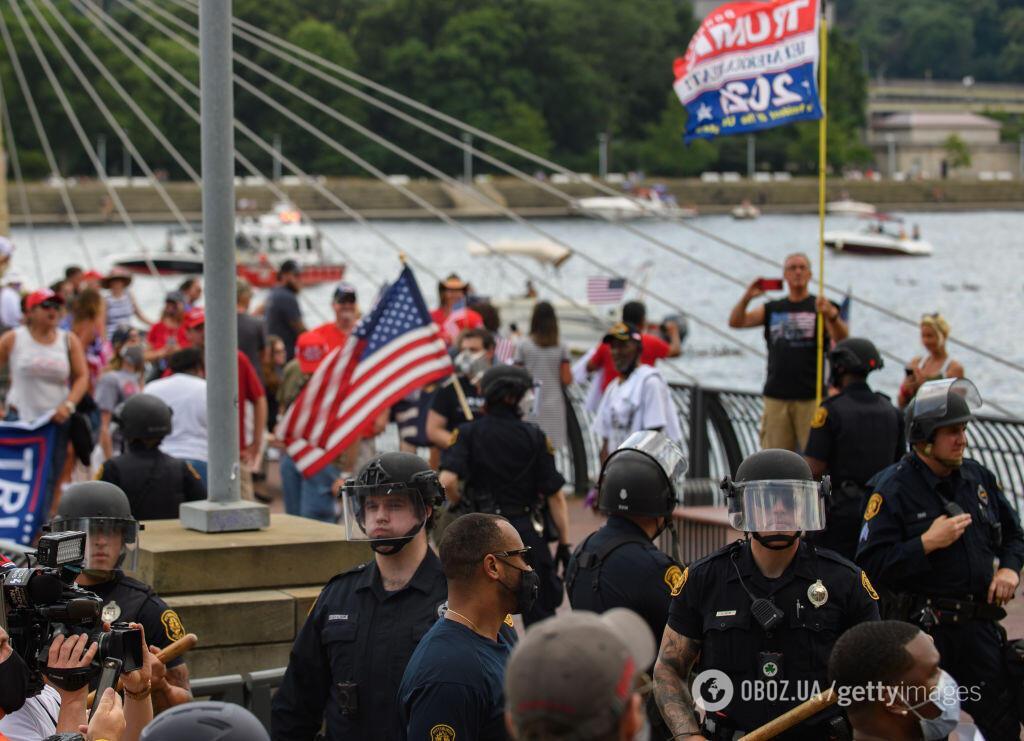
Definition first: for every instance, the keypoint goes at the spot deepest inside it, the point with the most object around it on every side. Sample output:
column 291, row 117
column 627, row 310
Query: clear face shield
column 387, row 516
column 933, row 398
column 777, row 506
column 110, row 543
column 666, row 453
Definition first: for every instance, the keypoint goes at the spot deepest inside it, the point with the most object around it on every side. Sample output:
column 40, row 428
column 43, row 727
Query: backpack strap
column 595, row 559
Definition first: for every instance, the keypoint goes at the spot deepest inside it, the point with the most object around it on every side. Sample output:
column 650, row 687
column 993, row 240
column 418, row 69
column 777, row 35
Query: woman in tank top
column 48, row 372
column 933, row 366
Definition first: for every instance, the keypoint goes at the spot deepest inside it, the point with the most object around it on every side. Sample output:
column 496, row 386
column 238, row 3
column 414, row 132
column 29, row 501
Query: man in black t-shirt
column 791, row 333
column 476, row 355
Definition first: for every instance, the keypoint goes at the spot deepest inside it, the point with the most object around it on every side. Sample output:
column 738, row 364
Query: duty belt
column 953, row 610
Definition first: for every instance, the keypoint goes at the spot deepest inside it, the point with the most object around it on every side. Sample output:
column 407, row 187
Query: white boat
column 849, row 207
column 876, row 241
column 543, row 250
column 626, row 208
column 746, row 210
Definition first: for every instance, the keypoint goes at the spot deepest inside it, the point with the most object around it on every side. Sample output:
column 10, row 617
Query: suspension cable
column 26, row 212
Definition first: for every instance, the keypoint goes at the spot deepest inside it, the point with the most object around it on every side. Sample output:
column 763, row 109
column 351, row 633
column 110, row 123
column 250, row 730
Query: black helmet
column 505, row 380
column 143, row 416
column 642, row 476
column 391, row 473
column 855, row 355
column 774, row 464
column 95, row 508
column 205, row 721
column 949, row 401
column 775, row 491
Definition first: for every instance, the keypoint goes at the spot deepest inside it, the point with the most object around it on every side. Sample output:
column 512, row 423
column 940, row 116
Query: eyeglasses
column 50, row 304
column 524, row 552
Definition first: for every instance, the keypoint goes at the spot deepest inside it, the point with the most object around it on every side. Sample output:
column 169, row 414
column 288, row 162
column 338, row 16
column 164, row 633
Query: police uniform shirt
column 513, row 459
column 156, row 484
column 453, row 687
column 357, row 633
column 907, row 498
column 635, row 575
column 128, row 600
column 712, row 607
column 857, row 433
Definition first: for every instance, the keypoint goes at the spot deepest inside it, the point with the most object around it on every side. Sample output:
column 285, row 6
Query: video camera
column 41, row 602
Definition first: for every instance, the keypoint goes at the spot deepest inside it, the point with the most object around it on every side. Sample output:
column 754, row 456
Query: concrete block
column 216, row 662
column 293, row 551
column 303, row 600
column 237, row 618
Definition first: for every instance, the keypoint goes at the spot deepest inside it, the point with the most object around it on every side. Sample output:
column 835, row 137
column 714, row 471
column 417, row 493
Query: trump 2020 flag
column 750, row 66
column 25, row 449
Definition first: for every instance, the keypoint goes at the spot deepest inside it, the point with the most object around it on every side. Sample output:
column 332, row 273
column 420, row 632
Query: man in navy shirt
column 453, row 684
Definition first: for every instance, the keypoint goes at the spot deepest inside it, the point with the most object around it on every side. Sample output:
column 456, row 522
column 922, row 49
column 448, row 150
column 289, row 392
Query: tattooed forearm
column 671, row 689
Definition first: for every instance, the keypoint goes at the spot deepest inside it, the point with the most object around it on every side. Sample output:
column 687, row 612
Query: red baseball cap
column 92, row 275
column 195, row 318
column 41, row 296
column 310, row 349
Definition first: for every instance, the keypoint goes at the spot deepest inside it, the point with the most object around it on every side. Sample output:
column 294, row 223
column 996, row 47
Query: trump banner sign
column 750, row 66
column 25, row 455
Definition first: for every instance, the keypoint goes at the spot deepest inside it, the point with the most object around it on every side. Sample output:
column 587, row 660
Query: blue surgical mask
column 946, row 696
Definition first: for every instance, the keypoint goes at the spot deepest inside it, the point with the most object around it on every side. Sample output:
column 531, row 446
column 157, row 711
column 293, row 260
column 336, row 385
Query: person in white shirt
column 185, row 393
column 10, row 301
column 639, row 399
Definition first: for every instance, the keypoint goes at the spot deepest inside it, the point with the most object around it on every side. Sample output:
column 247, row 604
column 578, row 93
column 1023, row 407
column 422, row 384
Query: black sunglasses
column 524, row 552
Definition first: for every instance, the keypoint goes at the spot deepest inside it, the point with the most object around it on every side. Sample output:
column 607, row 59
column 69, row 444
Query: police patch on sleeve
column 453, row 438
column 508, row 621
column 442, row 732
column 874, row 504
column 820, row 416
column 866, row 583
column 675, row 578
column 172, row 625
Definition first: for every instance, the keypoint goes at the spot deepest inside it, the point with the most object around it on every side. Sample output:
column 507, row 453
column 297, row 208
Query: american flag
column 604, row 290
column 393, row 351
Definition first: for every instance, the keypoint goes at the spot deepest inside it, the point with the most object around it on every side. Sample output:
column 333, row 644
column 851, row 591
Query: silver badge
column 111, row 612
column 817, row 594
column 442, row 608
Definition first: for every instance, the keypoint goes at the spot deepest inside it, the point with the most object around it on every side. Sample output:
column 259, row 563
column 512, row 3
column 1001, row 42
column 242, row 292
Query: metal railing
column 253, row 690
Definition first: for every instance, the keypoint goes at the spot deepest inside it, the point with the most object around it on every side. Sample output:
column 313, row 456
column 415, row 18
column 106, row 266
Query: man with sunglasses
column 349, row 655
column 453, row 687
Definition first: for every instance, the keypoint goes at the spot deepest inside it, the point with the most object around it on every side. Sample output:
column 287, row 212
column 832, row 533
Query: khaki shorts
column 786, row 423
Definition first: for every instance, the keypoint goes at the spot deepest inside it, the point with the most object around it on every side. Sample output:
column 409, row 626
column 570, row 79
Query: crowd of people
column 875, row 552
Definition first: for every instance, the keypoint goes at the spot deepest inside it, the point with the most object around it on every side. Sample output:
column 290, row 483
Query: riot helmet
column 948, row 401
column 854, row 355
column 205, row 721
column 643, row 476
column 775, row 492
column 143, row 417
column 390, row 501
column 503, row 381
column 102, row 511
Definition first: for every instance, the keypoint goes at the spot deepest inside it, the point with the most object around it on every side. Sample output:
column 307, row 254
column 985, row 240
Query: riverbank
column 377, row 200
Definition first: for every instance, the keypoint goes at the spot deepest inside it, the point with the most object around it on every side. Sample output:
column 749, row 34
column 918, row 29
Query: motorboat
column 645, row 203
column 875, row 239
column 746, row 210
column 262, row 242
column 848, row 207
column 543, row 250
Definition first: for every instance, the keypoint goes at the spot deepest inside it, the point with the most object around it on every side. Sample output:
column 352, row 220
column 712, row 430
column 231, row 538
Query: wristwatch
column 70, row 405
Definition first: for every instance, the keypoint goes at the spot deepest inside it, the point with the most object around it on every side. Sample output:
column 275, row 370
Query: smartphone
column 109, row 674
column 770, row 284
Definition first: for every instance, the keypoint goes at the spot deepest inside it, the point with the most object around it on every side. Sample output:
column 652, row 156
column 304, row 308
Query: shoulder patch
column 820, row 416
column 453, row 438
column 172, row 625
column 550, row 445
column 866, row 583
column 874, row 504
column 442, row 732
column 508, row 621
column 99, row 473
column 675, row 579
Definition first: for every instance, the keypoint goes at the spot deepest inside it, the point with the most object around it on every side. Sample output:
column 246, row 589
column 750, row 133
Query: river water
column 975, row 278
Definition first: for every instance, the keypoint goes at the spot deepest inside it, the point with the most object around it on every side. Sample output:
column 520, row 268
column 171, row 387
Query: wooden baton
column 791, row 717
column 168, row 653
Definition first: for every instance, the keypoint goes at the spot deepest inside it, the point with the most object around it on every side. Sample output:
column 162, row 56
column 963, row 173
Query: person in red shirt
column 453, row 315
column 249, row 389
column 167, row 336
column 652, row 348
column 346, row 313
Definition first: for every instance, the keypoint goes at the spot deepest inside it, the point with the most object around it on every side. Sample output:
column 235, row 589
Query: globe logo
column 712, row 690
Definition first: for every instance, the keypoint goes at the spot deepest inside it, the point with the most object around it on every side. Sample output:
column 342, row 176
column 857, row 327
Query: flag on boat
column 25, row 455
column 602, row 289
column 393, row 351
column 751, row 66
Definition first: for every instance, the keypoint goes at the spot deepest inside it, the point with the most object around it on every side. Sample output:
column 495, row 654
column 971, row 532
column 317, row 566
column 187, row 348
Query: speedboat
column 542, row 250
column 848, row 207
column 876, row 240
column 647, row 203
column 746, row 210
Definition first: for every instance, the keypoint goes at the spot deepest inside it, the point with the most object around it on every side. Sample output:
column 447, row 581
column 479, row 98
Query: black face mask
column 14, row 676
column 527, row 590
column 776, row 542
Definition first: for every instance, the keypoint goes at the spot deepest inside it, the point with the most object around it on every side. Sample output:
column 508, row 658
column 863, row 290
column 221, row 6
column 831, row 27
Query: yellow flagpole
column 822, row 164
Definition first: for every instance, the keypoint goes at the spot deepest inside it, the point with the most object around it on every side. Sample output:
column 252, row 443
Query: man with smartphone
column 791, row 333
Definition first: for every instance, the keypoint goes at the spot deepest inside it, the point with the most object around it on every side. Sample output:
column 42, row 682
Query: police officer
column 854, row 435
column 509, row 469
column 763, row 612
column 349, row 656
column 619, row 565
column 947, row 548
column 156, row 484
column 101, row 510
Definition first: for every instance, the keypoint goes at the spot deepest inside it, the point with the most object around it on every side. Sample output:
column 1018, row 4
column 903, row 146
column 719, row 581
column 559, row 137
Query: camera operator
column 102, row 510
